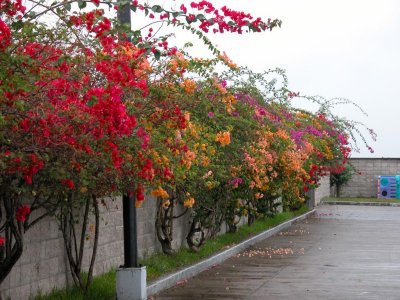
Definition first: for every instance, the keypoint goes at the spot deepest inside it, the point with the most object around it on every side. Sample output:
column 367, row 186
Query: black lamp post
column 130, row 232
column 128, row 202
column 131, row 278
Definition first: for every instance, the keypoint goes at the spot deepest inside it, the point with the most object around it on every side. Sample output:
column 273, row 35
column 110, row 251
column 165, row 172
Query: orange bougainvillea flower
column 189, row 202
column 189, row 86
column 229, row 101
column 258, row 195
column 188, row 159
column 178, row 64
column 205, row 161
column 223, row 137
column 160, row 192
column 282, row 134
column 166, row 203
column 224, row 57
column 143, row 69
column 219, row 86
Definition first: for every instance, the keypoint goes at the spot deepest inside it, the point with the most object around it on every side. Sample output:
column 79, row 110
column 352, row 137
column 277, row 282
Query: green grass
column 332, row 199
column 103, row 287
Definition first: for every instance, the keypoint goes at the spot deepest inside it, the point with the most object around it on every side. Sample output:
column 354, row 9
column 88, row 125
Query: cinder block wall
column 365, row 184
column 44, row 266
column 323, row 190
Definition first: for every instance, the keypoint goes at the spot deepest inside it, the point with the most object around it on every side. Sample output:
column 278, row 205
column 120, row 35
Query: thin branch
column 96, row 240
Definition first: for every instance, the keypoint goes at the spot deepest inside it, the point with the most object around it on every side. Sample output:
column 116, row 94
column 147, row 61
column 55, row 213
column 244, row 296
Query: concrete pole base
column 131, row 284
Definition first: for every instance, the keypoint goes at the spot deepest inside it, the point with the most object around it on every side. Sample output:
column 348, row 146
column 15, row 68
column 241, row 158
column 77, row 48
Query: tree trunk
column 164, row 227
column 194, row 229
column 75, row 241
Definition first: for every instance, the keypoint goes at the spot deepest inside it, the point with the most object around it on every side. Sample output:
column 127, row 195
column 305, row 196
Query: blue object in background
column 389, row 187
column 397, row 186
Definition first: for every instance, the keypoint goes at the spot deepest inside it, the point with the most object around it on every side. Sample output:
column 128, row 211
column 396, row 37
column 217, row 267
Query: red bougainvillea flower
column 12, row 8
column 68, row 182
column 22, row 212
column 167, row 173
column 139, row 192
column 5, row 35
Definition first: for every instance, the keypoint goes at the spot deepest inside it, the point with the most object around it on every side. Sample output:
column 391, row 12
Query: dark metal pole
column 128, row 202
column 130, row 232
column 124, row 15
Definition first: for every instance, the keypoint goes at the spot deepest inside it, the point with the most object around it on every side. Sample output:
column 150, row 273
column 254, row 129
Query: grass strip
column 103, row 286
column 374, row 200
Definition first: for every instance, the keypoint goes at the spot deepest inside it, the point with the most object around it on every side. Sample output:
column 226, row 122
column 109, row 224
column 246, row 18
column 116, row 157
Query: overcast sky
column 337, row 48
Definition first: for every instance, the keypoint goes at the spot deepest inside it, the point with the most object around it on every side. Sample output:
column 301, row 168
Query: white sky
column 332, row 48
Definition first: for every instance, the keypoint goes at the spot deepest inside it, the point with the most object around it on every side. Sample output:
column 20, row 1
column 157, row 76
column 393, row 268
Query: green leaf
column 201, row 17
column 157, row 9
column 157, row 54
column 67, row 6
column 92, row 101
column 136, row 37
column 137, row 33
column 129, row 35
column 81, row 4
column 17, row 25
column 144, row 45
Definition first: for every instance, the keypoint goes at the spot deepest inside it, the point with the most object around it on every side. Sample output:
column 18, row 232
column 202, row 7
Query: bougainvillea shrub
column 91, row 108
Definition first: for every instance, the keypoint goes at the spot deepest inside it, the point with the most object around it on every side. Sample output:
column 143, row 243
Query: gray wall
column 322, row 191
column 43, row 265
column 315, row 196
column 366, row 183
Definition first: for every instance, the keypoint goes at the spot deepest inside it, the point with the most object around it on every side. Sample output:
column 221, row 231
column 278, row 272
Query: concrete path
column 344, row 252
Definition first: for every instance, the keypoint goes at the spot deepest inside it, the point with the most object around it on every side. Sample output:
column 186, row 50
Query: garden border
column 393, row 204
column 191, row 271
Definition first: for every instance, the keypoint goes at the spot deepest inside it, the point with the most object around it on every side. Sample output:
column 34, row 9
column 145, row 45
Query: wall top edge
column 374, row 158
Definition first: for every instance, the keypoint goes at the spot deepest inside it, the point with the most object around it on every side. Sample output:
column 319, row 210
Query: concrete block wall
column 322, row 191
column 364, row 183
column 44, row 265
column 315, row 196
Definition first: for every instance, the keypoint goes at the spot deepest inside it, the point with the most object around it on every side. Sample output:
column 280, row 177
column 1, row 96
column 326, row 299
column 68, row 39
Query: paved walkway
column 344, row 252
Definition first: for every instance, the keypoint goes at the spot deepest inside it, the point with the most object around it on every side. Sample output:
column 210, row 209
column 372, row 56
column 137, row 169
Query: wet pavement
column 343, row 252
